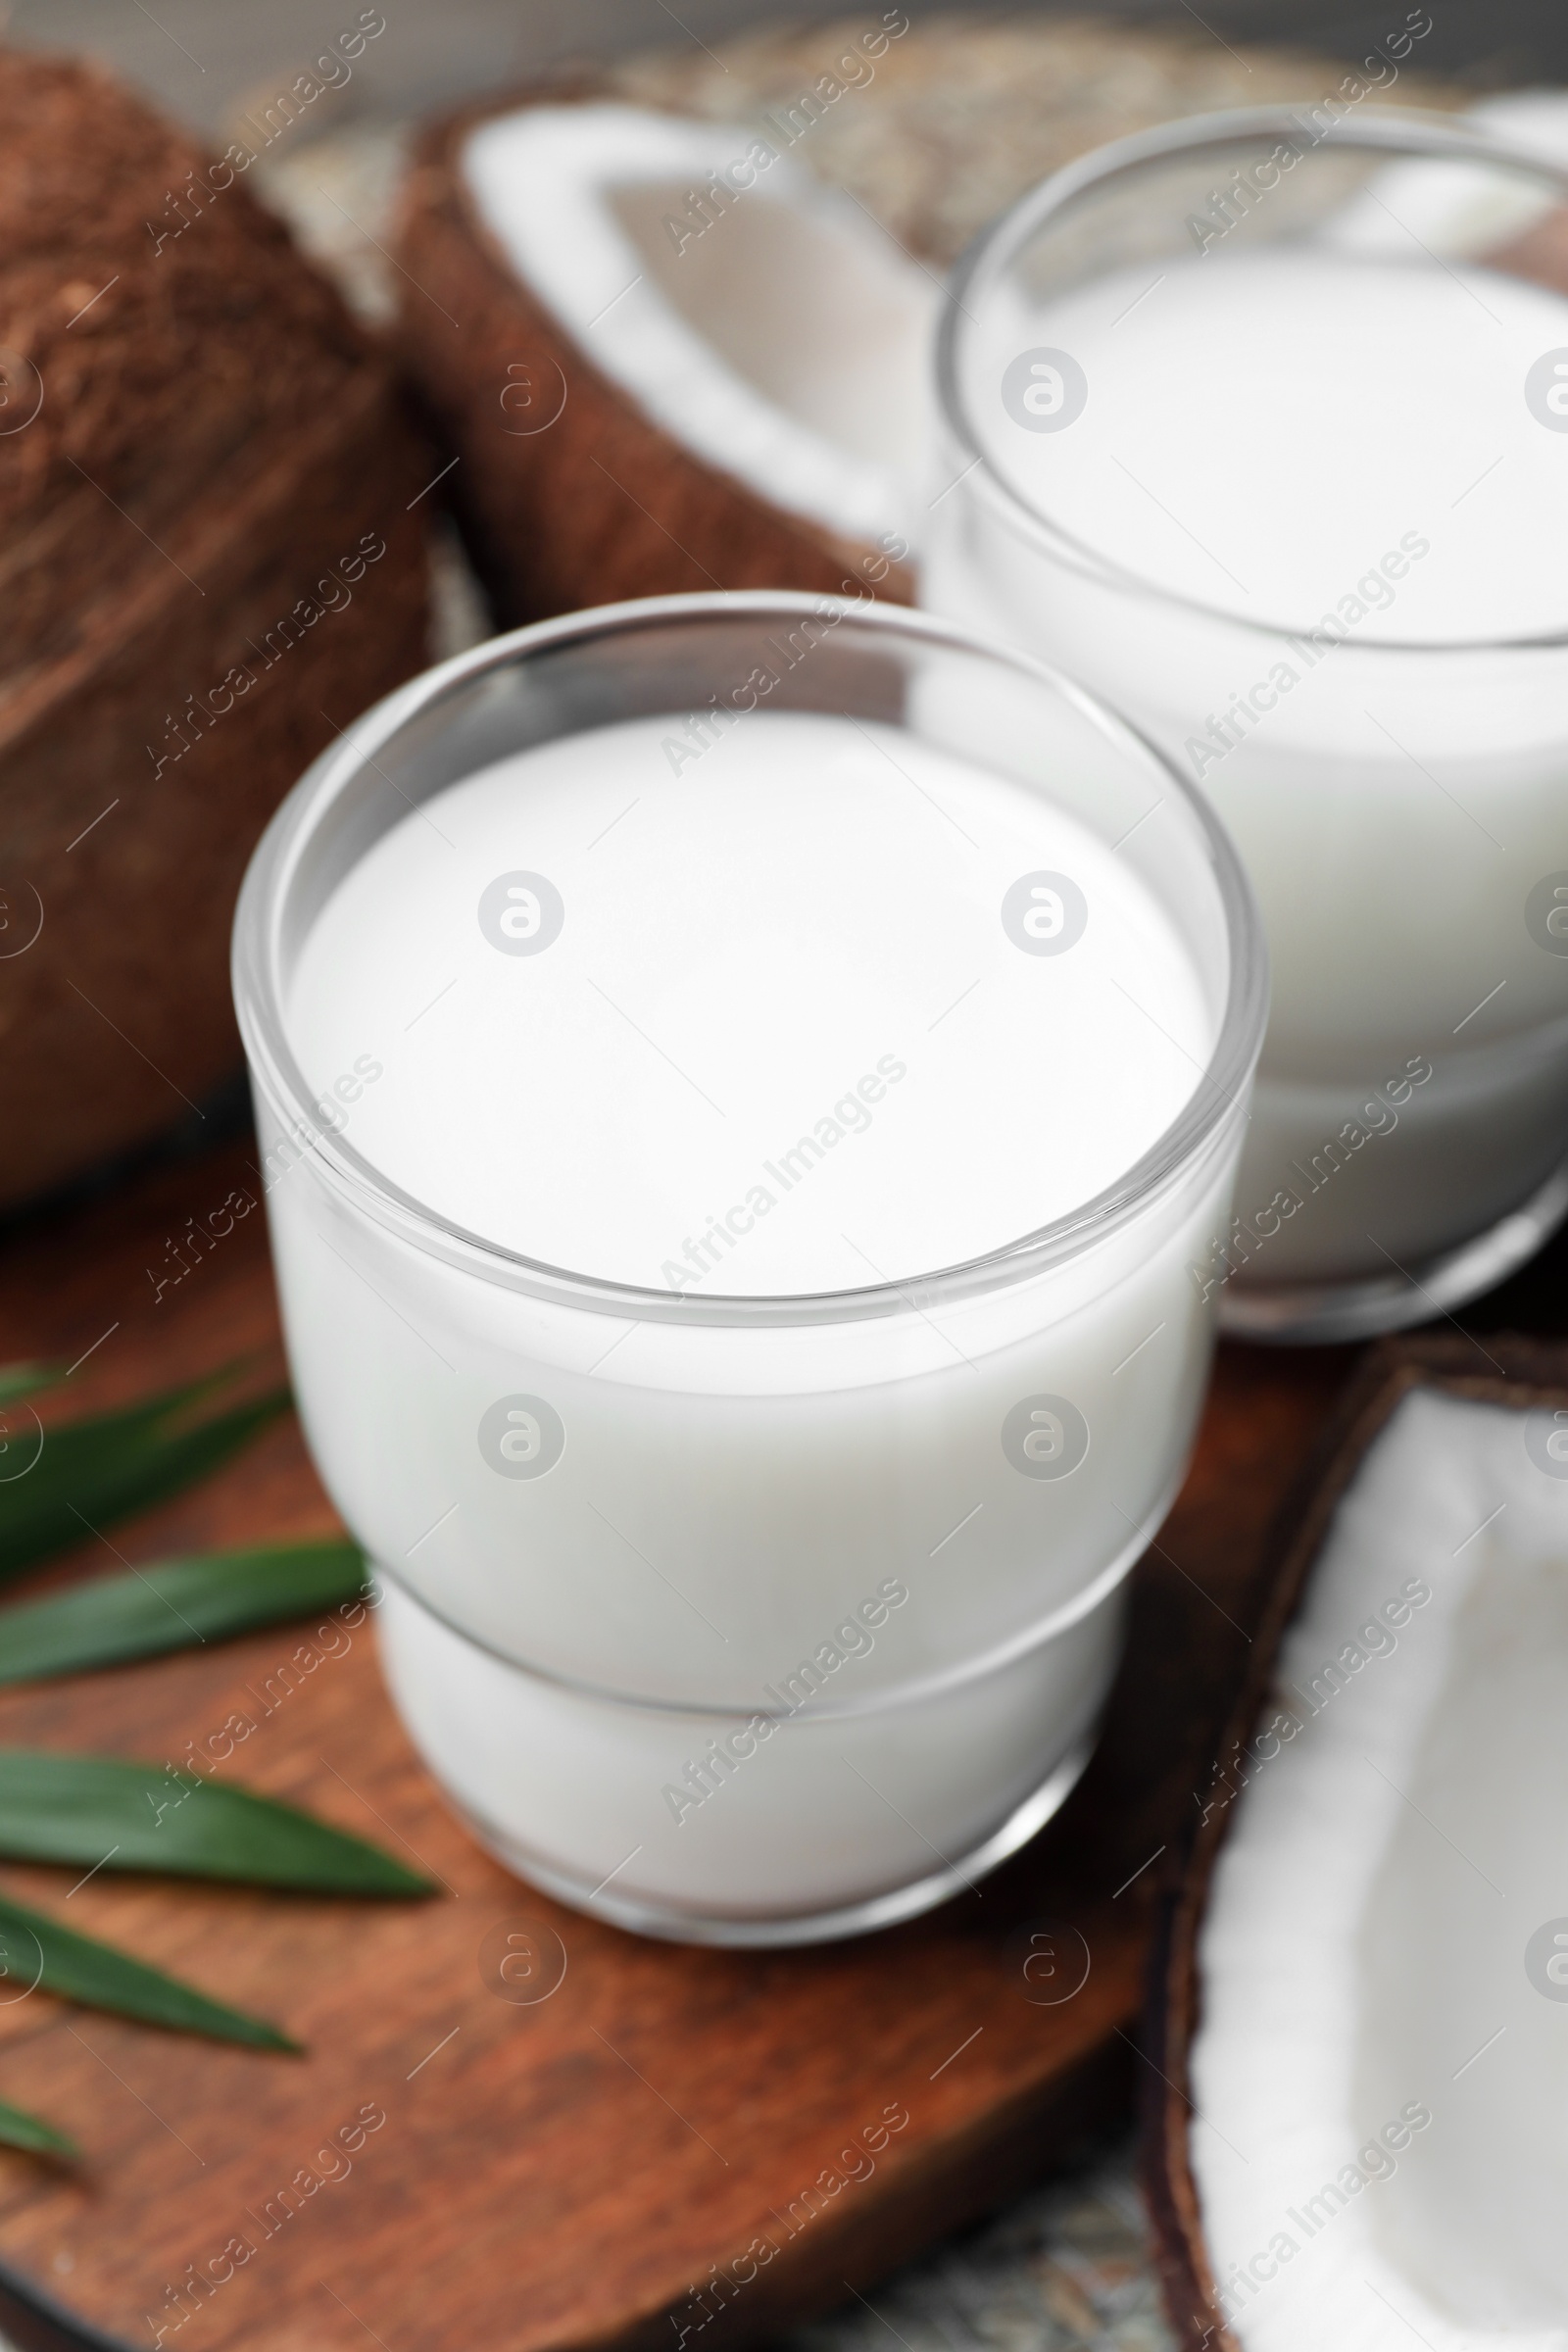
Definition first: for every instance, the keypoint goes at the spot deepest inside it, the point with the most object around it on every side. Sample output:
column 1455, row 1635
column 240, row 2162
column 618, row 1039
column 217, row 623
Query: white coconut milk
column 1339, row 454
column 814, row 1007
column 752, row 1019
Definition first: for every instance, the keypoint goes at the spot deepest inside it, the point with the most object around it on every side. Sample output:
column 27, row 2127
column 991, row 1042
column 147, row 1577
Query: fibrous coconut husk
column 602, row 503
column 198, row 454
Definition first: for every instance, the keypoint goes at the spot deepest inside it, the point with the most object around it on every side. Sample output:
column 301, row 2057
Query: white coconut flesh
column 1380, row 2080
column 763, row 319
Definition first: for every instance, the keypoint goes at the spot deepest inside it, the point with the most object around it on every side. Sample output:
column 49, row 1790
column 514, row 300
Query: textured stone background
column 199, row 56
column 964, row 114
column 1066, row 2270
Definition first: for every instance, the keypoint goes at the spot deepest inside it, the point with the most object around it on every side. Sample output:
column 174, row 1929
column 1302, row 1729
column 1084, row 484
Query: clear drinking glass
column 617, row 1530
column 1375, row 701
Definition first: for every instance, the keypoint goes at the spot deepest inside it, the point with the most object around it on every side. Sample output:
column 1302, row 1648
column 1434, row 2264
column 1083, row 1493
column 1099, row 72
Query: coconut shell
column 202, row 442
column 1529, row 1373
column 600, row 503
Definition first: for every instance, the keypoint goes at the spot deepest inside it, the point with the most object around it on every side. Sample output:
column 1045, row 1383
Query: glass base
column 765, row 1932
column 1319, row 1313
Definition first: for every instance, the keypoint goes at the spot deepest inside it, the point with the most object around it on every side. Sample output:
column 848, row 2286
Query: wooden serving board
column 564, row 2172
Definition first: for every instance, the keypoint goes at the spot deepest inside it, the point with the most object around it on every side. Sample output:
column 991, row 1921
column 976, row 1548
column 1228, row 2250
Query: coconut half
column 1365, row 2018
column 665, row 357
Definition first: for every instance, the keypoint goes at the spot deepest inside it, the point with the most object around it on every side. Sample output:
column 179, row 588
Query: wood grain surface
column 570, row 2171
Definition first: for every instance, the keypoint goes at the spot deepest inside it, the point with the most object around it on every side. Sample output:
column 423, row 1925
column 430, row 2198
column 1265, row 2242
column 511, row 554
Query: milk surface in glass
column 1291, row 502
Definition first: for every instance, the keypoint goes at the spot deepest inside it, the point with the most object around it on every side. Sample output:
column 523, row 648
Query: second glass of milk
column 1258, row 425
column 742, row 1081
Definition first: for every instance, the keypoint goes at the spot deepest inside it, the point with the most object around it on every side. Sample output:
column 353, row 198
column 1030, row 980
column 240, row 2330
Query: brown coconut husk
column 1526, row 1374
column 214, row 442
column 600, row 503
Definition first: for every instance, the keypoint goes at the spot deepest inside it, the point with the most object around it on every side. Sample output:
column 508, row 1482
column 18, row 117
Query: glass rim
column 285, row 845
column 1411, row 131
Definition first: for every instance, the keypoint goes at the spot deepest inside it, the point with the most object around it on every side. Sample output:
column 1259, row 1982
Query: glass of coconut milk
column 741, row 1082
column 1258, row 425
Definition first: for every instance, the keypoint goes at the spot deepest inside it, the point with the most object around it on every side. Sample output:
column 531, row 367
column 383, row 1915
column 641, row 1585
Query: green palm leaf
column 38, row 1952
column 19, row 2130
column 102, row 1467
column 174, row 1605
column 93, row 1812
column 96, row 1812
